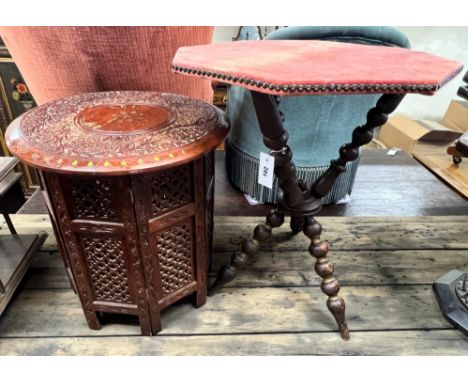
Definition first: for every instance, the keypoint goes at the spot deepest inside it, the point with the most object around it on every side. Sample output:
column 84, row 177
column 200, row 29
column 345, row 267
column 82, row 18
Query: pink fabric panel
column 316, row 63
column 62, row 61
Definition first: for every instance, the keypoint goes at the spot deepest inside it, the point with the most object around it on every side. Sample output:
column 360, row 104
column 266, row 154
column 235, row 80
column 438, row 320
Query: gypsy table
column 270, row 69
column 128, row 180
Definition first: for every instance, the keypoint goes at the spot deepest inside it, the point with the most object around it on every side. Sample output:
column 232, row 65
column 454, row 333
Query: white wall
column 228, row 33
column 224, row 33
column 449, row 42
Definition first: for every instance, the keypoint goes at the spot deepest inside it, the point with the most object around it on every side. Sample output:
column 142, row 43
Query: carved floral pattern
column 52, row 127
column 139, row 132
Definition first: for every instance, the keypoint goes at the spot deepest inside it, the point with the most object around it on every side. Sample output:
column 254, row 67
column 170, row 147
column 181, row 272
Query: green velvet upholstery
column 317, row 125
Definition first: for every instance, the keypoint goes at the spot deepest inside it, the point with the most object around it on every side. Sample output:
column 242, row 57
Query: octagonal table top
column 305, row 67
column 116, row 133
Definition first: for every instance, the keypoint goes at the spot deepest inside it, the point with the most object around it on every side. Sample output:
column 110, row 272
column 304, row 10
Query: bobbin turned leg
column 249, row 247
column 292, row 192
column 324, row 268
column 296, row 224
column 362, row 135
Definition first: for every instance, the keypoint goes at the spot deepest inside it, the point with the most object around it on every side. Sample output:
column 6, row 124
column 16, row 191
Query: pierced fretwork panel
column 106, row 262
column 171, row 189
column 175, row 255
column 92, row 199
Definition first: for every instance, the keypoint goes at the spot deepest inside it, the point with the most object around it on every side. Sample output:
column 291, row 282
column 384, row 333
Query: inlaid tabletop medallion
column 116, row 132
column 293, row 67
column 124, row 119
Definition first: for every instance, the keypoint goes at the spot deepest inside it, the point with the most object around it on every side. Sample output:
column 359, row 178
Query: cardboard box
column 456, row 116
column 441, row 164
column 406, row 134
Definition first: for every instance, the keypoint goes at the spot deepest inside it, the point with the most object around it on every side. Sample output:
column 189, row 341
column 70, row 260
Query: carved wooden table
column 128, row 180
column 271, row 69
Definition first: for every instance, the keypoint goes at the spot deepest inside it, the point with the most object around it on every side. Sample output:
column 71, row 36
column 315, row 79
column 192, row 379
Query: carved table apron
column 271, row 69
column 128, row 180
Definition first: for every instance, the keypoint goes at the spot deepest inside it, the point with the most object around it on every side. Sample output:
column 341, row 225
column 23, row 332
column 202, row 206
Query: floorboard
column 295, row 268
column 47, row 313
column 342, row 233
column 433, row 342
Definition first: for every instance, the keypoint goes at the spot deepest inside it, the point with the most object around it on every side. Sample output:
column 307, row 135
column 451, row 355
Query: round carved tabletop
column 116, row 133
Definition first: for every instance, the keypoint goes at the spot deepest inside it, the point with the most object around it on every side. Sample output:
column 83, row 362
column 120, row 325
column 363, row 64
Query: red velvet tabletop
column 316, row 67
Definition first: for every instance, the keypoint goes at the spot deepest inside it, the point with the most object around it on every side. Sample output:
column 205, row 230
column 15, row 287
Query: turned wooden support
column 249, row 247
column 275, row 138
column 296, row 224
column 324, row 268
column 292, row 189
column 362, row 135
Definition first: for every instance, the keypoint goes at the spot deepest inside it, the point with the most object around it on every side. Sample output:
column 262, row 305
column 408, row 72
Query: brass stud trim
column 315, row 88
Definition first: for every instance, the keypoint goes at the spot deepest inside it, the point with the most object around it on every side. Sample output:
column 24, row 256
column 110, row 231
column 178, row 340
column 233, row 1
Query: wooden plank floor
column 386, row 266
column 386, row 263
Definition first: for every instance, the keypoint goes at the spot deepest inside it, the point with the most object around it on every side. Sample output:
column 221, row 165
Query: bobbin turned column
column 362, row 135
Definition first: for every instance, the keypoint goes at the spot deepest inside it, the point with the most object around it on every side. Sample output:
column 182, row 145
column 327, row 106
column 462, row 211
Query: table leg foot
column 249, row 247
column 324, row 268
column 199, row 298
column 225, row 275
column 156, row 326
column 336, row 306
column 92, row 318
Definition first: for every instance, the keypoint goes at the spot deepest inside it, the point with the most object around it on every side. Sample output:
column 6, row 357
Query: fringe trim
column 242, row 172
